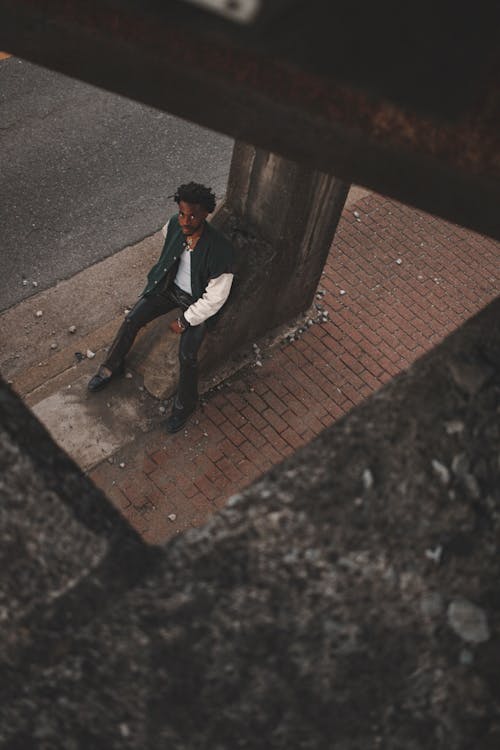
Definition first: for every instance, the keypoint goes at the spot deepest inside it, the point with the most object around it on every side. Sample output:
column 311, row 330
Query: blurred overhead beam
column 403, row 102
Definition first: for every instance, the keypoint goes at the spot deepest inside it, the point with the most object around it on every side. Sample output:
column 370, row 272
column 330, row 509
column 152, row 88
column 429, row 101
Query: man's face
column 191, row 217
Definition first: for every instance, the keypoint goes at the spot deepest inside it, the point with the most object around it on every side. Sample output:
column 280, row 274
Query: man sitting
column 194, row 273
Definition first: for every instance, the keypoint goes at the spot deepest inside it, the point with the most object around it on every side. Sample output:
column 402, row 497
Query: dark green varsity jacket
column 212, row 256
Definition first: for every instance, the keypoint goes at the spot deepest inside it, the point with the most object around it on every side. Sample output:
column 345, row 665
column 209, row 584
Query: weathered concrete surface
column 281, row 218
column 348, row 600
column 91, row 429
column 62, row 545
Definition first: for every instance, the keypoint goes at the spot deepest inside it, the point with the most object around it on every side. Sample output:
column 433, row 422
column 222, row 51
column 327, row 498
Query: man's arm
column 211, row 301
column 215, row 295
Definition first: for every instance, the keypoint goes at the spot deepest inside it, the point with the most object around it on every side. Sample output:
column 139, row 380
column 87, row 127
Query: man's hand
column 177, row 326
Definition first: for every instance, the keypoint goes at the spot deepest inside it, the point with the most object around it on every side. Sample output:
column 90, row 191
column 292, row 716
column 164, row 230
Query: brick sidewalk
column 396, row 282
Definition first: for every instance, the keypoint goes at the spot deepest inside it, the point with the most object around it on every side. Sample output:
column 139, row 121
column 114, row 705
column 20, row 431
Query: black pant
column 146, row 310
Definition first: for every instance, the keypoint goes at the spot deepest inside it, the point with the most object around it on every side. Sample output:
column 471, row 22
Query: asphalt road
column 85, row 173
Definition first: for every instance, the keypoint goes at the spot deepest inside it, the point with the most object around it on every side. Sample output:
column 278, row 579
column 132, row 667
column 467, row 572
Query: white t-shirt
column 183, row 276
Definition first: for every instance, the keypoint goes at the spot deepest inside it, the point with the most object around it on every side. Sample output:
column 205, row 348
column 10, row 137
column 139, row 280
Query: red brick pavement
column 396, row 282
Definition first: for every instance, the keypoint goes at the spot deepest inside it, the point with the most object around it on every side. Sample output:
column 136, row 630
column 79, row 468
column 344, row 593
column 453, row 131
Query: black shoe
column 178, row 419
column 100, row 379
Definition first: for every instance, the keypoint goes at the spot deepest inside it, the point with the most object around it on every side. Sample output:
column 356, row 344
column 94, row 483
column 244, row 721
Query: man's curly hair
column 193, row 192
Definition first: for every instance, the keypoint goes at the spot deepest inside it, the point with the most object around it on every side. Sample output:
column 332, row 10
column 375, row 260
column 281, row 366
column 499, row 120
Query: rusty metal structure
column 403, row 100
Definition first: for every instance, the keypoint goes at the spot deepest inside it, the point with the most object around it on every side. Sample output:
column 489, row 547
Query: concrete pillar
column 281, row 218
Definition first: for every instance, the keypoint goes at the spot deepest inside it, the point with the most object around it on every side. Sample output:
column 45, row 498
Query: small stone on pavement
column 468, row 621
column 441, row 471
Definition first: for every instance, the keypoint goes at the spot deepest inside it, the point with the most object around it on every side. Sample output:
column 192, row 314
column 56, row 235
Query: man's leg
column 187, row 393
column 143, row 312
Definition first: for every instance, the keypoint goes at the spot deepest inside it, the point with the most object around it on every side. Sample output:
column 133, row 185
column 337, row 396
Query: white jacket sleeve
column 211, row 301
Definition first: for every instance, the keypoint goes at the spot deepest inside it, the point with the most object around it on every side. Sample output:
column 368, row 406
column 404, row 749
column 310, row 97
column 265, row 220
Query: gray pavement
column 84, row 173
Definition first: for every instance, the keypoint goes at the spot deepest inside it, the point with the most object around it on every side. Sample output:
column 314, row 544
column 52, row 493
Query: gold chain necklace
column 189, row 242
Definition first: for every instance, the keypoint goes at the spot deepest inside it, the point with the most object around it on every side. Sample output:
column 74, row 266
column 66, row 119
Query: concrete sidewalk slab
column 92, row 428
